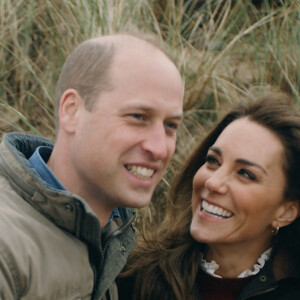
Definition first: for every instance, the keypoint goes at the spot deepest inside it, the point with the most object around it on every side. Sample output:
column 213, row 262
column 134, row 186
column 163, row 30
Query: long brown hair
column 166, row 259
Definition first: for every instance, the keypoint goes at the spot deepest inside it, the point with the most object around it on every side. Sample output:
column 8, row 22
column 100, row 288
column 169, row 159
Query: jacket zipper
column 112, row 235
column 106, row 244
column 95, row 280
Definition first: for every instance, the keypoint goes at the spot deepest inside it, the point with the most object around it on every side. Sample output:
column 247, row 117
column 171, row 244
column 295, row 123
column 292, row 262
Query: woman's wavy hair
column 166, row 259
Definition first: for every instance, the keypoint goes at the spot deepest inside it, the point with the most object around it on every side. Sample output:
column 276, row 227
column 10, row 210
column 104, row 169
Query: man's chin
column 137, row 203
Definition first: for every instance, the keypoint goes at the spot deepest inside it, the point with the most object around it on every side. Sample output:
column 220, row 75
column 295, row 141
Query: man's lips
column 140, row 171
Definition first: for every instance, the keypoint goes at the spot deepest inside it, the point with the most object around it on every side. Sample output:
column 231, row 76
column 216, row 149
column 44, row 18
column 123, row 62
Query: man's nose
column 158, row 143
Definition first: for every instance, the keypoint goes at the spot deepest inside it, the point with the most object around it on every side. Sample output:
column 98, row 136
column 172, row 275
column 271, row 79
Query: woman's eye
column 247, row 174
column 211, row 160
column 172, row 125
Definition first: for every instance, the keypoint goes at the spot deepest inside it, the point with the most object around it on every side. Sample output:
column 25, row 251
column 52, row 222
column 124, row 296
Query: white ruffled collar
column 212, row 267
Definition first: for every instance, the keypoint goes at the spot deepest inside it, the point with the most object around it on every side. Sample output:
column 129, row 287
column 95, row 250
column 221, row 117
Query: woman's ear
column 69, row 107
column 286, row 214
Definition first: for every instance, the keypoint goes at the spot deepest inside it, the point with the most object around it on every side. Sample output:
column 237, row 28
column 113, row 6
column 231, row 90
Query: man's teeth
column 140, row 172
column 215, row 211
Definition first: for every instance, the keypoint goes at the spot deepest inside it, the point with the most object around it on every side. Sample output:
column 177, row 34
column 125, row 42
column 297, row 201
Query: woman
column 232, row 229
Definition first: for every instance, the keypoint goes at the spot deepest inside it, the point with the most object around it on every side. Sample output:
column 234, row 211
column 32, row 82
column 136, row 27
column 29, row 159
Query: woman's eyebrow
column 251, row 163
column 240, row 160
column 215, row 149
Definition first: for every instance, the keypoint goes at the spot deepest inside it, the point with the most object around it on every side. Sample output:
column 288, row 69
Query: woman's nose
column 217, row 182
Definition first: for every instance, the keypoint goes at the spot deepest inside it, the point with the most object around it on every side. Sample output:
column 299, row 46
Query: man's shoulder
column 19, row 219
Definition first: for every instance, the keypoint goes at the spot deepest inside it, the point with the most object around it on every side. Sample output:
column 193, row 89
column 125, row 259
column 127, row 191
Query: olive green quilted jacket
column 51, row 243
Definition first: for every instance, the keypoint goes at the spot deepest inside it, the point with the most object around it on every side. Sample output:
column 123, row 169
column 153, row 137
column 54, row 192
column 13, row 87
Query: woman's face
column 239, row 190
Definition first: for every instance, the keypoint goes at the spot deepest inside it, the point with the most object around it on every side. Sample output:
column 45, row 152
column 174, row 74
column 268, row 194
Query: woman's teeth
column 215, row 211
column 140, row 172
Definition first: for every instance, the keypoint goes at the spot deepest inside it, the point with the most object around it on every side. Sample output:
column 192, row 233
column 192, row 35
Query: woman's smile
column 215, row 211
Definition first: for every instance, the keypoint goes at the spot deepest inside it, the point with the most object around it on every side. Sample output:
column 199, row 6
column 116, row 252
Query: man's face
column 121, row 149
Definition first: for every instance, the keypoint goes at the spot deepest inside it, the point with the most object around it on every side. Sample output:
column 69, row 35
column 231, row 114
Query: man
column 65, row 225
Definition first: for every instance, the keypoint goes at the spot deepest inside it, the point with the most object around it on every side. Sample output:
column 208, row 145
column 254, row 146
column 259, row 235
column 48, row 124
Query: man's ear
column 69, row 107
column 286, row 214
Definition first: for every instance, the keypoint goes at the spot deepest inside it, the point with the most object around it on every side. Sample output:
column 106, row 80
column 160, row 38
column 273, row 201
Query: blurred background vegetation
column 225, row 50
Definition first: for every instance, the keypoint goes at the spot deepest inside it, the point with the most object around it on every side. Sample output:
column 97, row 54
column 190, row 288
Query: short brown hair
column 87, row 71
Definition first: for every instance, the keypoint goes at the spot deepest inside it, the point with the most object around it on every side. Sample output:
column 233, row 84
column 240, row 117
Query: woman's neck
column 233, row 260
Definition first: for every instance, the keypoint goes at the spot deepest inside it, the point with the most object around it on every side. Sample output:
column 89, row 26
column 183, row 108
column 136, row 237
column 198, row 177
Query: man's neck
column 69, row 180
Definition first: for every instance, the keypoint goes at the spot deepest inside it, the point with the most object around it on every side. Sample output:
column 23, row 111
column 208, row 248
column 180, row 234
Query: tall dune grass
column 225, row 50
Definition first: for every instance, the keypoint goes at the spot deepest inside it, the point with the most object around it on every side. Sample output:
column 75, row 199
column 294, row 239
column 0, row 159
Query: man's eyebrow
column 240, row 160
column 151, row 109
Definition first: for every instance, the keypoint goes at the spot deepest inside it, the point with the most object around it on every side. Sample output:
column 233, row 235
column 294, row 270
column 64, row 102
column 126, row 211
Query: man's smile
column 140, row 172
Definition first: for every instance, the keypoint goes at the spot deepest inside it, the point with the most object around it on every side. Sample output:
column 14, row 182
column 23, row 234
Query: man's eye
column 247, row 174
column 138, row 116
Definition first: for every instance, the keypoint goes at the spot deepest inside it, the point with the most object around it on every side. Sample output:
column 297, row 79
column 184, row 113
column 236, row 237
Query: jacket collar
column 66, row 210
